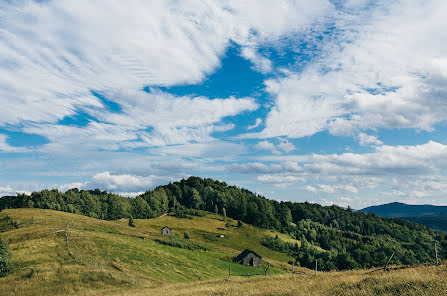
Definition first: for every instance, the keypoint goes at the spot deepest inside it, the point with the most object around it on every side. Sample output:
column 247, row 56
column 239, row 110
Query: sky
column 335, row 102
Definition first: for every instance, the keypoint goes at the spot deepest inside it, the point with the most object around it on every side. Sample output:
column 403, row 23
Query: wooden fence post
column 293, row 265
column 136, row 279
column 265, row 274
column 436, row 253
column 229, row 269
column 388, row 262
column 316, row 266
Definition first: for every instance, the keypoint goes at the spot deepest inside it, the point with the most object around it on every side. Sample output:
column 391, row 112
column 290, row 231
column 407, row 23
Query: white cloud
column 266, row 145
column 385, row 67
column 257, row 123
column 280, row 180
column 311, row 189
column 337, row 188
column 63, row 49
column 365, row 139
column 124, row 182
column 286, row 146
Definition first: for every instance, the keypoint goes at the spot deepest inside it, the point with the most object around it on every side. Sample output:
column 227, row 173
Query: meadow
column 111, row 258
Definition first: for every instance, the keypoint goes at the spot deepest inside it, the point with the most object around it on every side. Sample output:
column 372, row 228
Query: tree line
column 340, row 238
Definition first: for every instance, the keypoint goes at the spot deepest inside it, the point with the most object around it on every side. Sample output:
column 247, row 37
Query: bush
column 5, row 258
column 131, row 223
column 186, row 235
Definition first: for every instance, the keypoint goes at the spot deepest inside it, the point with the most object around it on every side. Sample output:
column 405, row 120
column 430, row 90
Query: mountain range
column 432, row 216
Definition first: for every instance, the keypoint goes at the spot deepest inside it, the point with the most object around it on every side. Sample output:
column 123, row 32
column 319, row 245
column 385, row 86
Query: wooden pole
column 265, row 274
column 229, row 269
column 136, row 279
column 293, row 265
column 388, row 261
column 436, row 253
column 316, row 266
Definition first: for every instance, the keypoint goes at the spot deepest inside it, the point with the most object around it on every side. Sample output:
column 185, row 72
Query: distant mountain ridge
column 400, row 210
column 432, row 216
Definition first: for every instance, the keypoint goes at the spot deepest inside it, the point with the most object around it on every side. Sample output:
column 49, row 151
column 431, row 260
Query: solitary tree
column 131, row 224
column 5, row 258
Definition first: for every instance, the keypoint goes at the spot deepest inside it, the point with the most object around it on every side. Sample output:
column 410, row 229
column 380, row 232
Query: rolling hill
column 111, row 258
column 434, row 217
column 340, row 239
column 43, row 264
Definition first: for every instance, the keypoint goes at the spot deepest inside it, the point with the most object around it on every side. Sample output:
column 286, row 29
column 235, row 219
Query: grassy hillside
column 340, row 239
column 43, row 265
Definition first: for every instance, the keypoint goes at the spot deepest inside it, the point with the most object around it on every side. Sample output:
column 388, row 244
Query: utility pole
column 316, row 266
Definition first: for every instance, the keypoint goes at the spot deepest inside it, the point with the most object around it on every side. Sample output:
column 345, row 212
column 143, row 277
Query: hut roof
column 166, row 227
column 245, row 253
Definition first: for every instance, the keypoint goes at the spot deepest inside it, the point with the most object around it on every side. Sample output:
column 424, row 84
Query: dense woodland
column 339, row 238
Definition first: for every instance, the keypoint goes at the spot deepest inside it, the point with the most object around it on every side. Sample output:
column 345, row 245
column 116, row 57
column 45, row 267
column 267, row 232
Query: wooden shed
column 166, row 231
column 249, row 258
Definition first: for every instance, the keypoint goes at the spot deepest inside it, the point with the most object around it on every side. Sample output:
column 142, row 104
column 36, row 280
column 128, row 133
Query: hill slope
column 339, row 238
column 44, row 266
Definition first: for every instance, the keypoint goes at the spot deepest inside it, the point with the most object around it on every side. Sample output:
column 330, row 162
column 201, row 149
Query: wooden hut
column 166, row 231
column 249, row 258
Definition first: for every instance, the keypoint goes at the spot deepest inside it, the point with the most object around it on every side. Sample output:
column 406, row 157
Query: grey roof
column 245, row 253
column 166, row 227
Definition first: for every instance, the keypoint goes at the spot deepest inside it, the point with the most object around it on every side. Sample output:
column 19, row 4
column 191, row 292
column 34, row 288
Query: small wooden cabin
column 249, row 258
column 166, row 231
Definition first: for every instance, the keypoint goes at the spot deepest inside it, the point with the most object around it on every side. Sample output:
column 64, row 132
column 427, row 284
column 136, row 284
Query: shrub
column 5, row 258
column 131, row 223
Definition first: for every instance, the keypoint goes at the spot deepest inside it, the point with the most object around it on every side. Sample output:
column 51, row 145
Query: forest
column 338, row 238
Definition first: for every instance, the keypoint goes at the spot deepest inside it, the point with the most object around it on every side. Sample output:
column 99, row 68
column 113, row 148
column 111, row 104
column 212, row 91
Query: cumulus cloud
column 266, row 145
column 365, row 139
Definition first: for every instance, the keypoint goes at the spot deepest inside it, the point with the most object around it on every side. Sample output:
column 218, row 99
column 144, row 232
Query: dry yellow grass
column 417, row 281
column 43, row 266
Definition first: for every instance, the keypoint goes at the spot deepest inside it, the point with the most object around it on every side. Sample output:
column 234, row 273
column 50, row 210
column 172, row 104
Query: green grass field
column 108, row 257
column 43, row 265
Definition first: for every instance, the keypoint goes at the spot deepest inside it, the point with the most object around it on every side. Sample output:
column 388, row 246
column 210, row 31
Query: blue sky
column 339, row 102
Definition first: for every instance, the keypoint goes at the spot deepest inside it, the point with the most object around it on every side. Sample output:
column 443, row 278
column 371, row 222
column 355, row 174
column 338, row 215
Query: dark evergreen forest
column 339, row 238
